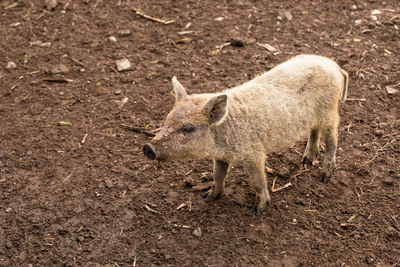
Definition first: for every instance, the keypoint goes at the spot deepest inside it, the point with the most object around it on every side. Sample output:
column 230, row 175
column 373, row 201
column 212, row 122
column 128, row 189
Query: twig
column 297, row 174
column 134, row 261
column 97, row 2
column 137, row 130
column 150, row 209
column 11, row 6
column 84, row 138
column 140, row 13
column 58, row 80
column 67, row 178
column 77, row 62
column 273, row 189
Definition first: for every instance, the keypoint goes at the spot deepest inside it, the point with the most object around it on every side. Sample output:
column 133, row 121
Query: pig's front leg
column 255, row 167
column 217, row 190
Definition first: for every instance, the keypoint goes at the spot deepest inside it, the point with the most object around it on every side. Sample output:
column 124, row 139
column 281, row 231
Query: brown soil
column 76, row 195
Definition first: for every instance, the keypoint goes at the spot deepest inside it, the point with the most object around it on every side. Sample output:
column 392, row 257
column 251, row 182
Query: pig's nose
column 149, row 151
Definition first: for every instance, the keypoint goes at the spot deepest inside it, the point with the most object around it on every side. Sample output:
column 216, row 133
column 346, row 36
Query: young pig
column 270, row 113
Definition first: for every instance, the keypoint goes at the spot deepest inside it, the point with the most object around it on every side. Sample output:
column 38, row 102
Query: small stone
column 189, row 181
column 379, row 132
column 376, row 12
column 61, row 93
column 112, row 39
column 251, row 41
column 388, row 181
column 51, row 4
column 8, row 210
column 197, row 232
column 45, row 44
column 219, row 19
column 357, row 21
column 118, row 92
column 108, row 183
column 123, row 64
column 11, row 65
column 81, row 238
column 353, row 7
column 59, row 69
column 391, row 90
column 284, row 172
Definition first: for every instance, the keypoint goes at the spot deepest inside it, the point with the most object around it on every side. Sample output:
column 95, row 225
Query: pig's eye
column 187, row 129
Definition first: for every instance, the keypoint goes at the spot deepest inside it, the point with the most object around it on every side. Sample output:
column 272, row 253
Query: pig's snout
column 149, row 150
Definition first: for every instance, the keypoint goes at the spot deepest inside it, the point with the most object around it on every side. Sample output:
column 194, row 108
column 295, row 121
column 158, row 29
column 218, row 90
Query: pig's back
column 279, row 107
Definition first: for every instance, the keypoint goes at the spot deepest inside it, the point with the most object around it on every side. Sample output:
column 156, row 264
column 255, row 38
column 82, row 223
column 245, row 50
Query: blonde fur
column 296, row 99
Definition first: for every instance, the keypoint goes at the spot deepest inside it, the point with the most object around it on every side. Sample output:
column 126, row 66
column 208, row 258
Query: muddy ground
column 83, row 194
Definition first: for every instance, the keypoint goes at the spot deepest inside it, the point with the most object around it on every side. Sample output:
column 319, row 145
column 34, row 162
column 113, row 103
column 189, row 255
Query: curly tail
column 345, row 84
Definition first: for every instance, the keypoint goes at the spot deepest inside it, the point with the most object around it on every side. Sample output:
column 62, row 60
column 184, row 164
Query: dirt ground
column 83, row 194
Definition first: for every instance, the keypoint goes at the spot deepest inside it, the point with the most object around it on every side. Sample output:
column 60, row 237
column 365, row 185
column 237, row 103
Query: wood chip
column 185, row 32
column 270, row 48
column 203, row 186
column 122, row 103
column 288, row 15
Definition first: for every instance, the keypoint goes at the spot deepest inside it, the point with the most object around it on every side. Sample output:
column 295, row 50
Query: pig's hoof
column 211, row 197
column 325, row 178
column 307, row 161
column 258, row 211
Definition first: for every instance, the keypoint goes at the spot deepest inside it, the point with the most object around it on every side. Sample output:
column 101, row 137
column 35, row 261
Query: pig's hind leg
column 312, row 147
column 331, row 139
column 255, row 167
column 217, row 190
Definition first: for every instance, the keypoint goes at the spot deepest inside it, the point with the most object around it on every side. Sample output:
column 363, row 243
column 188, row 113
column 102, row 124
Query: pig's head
column 187, row 131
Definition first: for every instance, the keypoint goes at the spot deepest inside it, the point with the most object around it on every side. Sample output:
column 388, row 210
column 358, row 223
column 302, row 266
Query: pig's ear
column 178, row 90
column 216, row 109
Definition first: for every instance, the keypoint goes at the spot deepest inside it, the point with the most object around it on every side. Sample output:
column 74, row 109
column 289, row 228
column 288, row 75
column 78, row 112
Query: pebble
column 112, row 39
column 123, row 64
column 8, row 210
column 11, row 65
column 197, row 232
column 59, row 69
column 379, row 132
column 108, row 183
column 118, row 92
column 284, row 172
column 189, row 181
column 51, row 4
column 388, row 181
